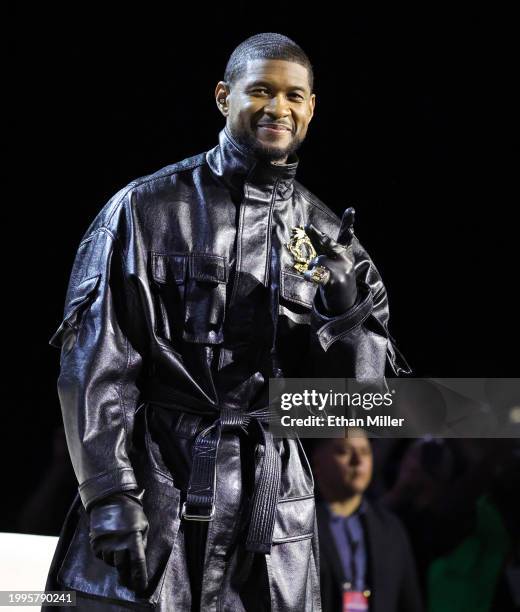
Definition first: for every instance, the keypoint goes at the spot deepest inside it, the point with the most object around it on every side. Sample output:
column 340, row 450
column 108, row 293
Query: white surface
column 24, row 564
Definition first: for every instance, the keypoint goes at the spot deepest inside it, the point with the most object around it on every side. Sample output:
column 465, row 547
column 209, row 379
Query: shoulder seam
column 102, row 229
column 315, row 203
column 198, row 160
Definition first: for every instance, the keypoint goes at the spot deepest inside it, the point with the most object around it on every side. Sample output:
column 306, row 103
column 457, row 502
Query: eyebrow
column 261, row 82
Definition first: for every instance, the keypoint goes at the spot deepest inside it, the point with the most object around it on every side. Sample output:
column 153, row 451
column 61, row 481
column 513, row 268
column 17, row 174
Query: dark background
column 406, row 129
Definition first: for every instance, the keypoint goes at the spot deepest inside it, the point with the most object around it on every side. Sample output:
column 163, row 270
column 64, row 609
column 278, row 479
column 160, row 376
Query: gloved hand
column 118, row 536
column 339, row 293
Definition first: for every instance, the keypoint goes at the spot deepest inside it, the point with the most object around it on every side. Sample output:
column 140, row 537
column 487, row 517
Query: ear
column 221, row 95
column 312, row 103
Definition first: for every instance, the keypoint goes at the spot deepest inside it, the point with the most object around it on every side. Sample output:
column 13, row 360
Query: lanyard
column 356, row 571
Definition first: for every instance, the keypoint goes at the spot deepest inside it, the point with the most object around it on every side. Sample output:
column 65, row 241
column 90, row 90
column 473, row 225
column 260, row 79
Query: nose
column 277, row 106
column 355, row 459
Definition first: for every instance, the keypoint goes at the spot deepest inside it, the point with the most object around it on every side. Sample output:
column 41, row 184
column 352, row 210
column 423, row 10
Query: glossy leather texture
column 118, row 536
column 183, row 281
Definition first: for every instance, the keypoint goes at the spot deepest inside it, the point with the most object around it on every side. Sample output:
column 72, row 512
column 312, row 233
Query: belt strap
column 200, row 498
column 260, row 534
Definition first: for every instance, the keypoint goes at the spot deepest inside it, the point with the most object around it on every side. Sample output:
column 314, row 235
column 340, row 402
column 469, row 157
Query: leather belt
column 200, row 498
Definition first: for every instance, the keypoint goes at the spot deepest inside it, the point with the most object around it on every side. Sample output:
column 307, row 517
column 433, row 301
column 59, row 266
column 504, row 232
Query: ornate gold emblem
column 319, row 275
column 301, row 249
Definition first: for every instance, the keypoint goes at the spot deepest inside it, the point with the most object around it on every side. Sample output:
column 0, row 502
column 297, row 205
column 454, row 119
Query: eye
column 260, row 90
column 296, row 96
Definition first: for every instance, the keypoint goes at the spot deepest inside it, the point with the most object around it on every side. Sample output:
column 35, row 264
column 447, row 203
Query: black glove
column 339, row 293
column 118, row 536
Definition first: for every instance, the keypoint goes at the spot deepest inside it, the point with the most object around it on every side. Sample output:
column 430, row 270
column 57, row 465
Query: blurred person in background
column 458, row 499
column 366, row 561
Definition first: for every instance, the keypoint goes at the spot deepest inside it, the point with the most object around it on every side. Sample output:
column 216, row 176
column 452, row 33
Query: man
column 365, row 558
column 183, row 302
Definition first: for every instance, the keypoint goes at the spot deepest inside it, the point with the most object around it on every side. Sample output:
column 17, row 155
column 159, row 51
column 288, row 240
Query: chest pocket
column 168, row 271
column 205, row 298
column 296, row 296
column 190, row 296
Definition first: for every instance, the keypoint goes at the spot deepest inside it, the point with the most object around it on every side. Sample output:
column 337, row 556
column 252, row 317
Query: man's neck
column 346, row 507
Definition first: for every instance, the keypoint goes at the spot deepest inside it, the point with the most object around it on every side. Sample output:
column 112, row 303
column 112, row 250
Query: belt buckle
column 197, row 517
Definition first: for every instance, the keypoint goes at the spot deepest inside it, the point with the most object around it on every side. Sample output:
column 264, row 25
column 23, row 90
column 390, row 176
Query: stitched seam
column 103, row 475
column 307, row 462
column 352, row 314
column 170, row 349
column 269, row 230
column 86, row 297
column 296, row 498
column 239, row 248
column 200, row 254
column 347, row 331
column 176, row 253
column 289, row 273
column 163, row 474
column 155, row 258
column 304, row 536
column 284, row 291
column 376, row 295
column 138, row 183
column 120, row 390
column 84, row 280
column 123, row 381
column 316, row 204
column 295, row 299
column 150, row 179
column 353, row 324
column 206, row 276
column 307, row 304
column 162, row 279
column 103, row 229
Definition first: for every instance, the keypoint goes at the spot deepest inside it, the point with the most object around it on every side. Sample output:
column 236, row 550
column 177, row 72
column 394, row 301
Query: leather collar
column 234, row 166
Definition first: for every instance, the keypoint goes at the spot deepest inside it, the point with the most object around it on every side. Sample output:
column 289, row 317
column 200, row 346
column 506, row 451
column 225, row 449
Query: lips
column 279, row 127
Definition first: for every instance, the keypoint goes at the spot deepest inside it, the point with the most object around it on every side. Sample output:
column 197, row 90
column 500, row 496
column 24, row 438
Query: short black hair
column 266, row 45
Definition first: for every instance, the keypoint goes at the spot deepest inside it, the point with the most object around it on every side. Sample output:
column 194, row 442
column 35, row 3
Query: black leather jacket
column 183, row 297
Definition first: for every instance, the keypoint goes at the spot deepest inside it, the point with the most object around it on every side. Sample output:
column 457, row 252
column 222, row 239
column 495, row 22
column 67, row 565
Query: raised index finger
column 324, row 244
column 346, row 230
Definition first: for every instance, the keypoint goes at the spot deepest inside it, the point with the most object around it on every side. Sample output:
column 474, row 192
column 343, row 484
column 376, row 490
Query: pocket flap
column 82, row 294
column 208, row 267
column 295, row 288
column 169, row 267
column 294, row 519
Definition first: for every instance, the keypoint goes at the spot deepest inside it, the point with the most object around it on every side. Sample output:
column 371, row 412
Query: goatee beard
column 265, row 152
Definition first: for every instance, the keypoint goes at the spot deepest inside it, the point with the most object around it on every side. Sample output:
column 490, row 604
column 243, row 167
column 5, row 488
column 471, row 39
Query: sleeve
column 357, row 343
column 99, row 368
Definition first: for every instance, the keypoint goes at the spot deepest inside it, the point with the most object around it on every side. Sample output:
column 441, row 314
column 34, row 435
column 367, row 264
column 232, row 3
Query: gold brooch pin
column 301, row 249
column 303, row 252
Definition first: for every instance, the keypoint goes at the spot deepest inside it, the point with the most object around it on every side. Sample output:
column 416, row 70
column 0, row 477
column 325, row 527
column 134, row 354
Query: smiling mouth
column 274, row 128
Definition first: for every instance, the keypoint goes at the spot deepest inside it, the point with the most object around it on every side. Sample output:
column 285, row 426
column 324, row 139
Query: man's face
column 344, row 466
column 269, row 108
